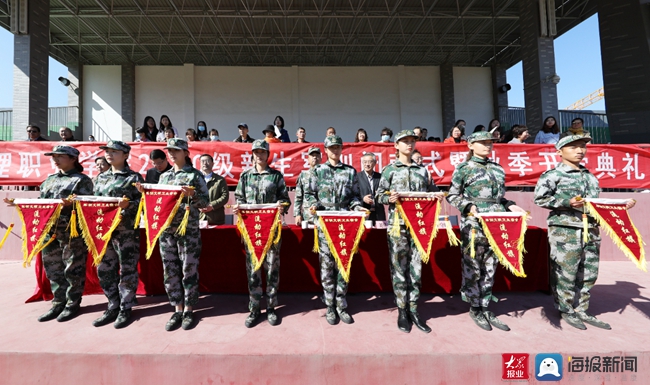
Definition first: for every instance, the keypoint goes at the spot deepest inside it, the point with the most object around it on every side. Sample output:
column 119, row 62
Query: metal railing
column 594, row 122
column 57, row 117
column 5, row 125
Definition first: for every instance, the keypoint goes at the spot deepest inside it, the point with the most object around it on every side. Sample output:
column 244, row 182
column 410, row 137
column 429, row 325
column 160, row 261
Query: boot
column 494, row 321
column 345, row 317
column 188, row 320
column 476, row 314
column 271, row 316
column 252, row 318
column 418, row 322
column 403, row 321
column 175, row 321
column 123, row 319
column 69, row 313
column 52, row 313
column 593, row 321
column 109, row 316
column 573, row 320
column 330, row 316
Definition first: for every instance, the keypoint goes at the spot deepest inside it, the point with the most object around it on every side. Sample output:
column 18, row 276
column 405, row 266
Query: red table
column 222, row 266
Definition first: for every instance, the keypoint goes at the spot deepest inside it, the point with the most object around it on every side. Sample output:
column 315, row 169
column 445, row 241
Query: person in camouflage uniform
column 333, row 186
column 180, row 253
column 118, row 269
column 303, row 202
column 478, row 186
column 405, row 261
column 258, row 185
column 574, row 263
column 64, row 259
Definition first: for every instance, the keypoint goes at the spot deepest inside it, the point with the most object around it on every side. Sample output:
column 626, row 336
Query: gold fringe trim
column 39, row 245
column 453, row 239
column 502, row 258
column 394, row 230
column 2, row 242
column 585, row 228
column 182, row 227
column 641, row 262
column 472, row 249
column 74, row 233
column 255, row 262
column 139, row 213
column 98, row 255
column 424, row 253
column 164, row 227
column 344, row 273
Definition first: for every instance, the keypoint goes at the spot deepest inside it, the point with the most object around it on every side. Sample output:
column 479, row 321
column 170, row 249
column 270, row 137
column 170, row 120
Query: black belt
column 488, row 200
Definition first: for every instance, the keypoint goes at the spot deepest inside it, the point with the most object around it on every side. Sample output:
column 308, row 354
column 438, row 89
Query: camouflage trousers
column 180, row 258
column 574, row 266
column 405, row 269
column 334, row 286
column 478, row 272
column 64, row 261
column 118, row 270
column 272, row 266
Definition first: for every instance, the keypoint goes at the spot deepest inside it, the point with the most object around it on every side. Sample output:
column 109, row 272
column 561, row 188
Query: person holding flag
column 258, row 185
column 180, row 253
column 118, row 269
column 333, row 186
column 478, row 186
column 404, row 175
column 64, row 258
column 575, row 250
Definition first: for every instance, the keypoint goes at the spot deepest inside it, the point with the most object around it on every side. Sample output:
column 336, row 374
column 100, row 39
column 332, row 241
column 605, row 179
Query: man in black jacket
column 368, row 183
column 160, row 165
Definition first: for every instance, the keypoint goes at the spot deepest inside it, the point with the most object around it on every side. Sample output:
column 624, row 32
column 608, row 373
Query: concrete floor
column 304, row 349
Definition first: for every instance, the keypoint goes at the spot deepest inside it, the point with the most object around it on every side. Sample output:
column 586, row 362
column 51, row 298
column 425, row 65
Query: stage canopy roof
column 292, row 32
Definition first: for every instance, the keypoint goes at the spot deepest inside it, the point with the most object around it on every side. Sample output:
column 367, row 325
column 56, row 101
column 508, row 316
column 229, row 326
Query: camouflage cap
column 333, row 140
column 63, row 150
column 116, row 145
column 405, row 134
column 312, row 150
column 572, row 138
column 176, row 144
column 260, row 144
column 481, row 135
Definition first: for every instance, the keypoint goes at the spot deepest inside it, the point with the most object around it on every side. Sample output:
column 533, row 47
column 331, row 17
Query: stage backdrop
column 615, row 166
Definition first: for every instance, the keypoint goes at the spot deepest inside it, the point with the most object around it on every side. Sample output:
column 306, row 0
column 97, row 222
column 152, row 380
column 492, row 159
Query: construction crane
column 588, row 100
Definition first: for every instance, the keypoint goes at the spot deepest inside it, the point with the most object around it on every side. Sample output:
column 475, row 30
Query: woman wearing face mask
column 141, row 135
column 386, row 134
column 202, row 131
column 214, row 135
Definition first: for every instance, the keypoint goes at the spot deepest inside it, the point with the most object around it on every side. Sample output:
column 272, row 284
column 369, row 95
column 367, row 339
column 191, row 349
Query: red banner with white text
column 615, row 166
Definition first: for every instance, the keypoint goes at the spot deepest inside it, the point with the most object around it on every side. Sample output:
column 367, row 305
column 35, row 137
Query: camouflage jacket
column 303, row 202
column 478, row 182
column 62, row 185
column 267, row 186
column 187, row 176
column 334, row 187
column 556, row 187
column 400, row 177
column 119, row 184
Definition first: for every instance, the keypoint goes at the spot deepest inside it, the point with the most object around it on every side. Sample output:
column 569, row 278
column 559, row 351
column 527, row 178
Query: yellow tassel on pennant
column 74, row 233
column 316, row 249
column 139, row 213
column 394, row 229
column 453, row 239
column 2, row 242
column 472, row 249
column 585, row 228
column 182, row 228
column 28, row 262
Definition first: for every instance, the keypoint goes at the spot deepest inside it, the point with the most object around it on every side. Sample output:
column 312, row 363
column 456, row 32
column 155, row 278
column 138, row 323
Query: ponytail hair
column 78, row 165
column 188, row 161
column 470, row 154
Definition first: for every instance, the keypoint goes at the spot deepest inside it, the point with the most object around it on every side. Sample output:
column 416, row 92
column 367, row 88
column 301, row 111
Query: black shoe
column 479, row 319
column 419, row 323
column 251, row 320
column 403, row 321
column 51, row 314
column 109, row 316
column 188, row 320
column 330, row 316
column 175, row 321
column 271, row 316
column 68, row 313
column 593, row 321
column 573, row 320
column 494, row 321
column 345, row 317
column 123, row 319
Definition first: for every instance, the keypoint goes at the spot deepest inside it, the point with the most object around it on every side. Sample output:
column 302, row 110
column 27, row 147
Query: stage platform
column 305, row 349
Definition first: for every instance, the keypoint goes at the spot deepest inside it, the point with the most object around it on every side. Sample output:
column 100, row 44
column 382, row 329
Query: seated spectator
column 550, row 132
column 214, row 135
column 416, row 157
column 269, row 135
column 191, row 136
column 455, row 136
column 202, row 131
column 169, row 133
column 151, row 132
column 141, row 135
column 577, row 126
column 479, row 128
column 280, row 132
column 66, row 135
column 330, row 131
column 386, row 135
column 361, row 136
column 243, row 134
column 301, row 134
column 435, row 139
column 418, row 131
column 519, row 134
column 91, row 138
column 165, row 123
column 34, row 134
column 101, row 164
column 160, row 165
column 214, row 213
column 494, row 123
